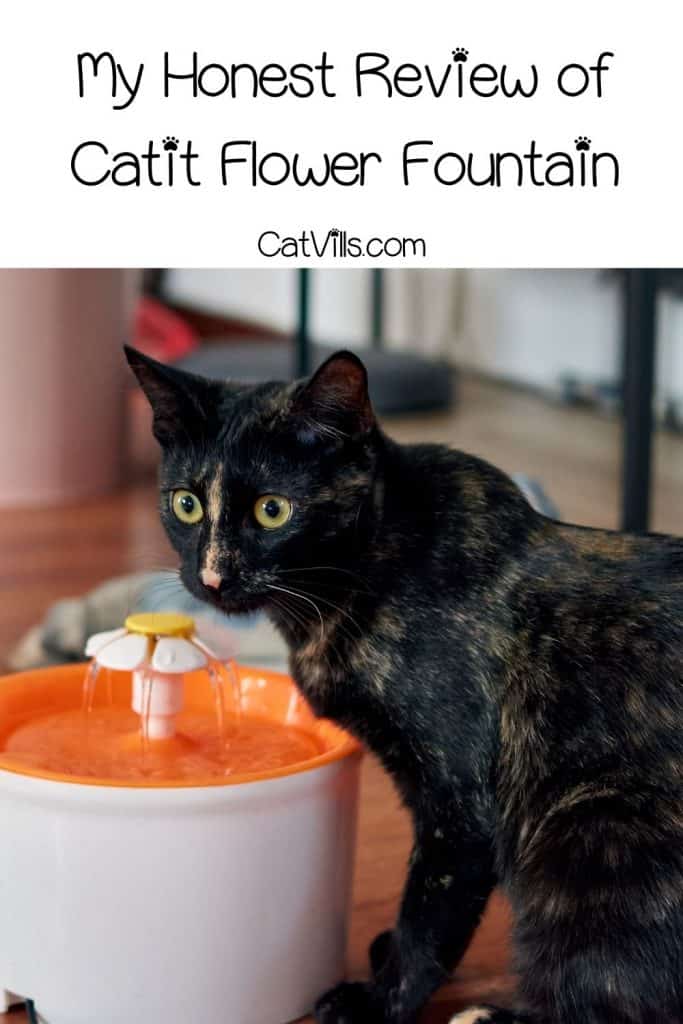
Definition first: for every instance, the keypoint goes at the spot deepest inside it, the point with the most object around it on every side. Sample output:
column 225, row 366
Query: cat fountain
column 179, row 837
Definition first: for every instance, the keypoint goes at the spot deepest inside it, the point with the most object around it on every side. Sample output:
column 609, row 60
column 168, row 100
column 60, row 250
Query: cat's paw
column 475, row 1015
column 379, row 950
column 348, row 1003
column 489, row 1015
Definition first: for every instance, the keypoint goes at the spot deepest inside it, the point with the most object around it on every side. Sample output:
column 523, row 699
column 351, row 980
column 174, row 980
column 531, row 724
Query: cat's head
column 262, row 486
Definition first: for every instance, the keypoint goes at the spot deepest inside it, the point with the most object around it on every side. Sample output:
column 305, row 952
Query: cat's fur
column 521, row 680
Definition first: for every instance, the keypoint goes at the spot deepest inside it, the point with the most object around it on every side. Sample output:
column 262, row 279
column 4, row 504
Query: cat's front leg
column 450, row 879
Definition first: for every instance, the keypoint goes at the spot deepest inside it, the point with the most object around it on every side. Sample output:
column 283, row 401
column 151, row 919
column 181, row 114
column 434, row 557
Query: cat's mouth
column 233, row 604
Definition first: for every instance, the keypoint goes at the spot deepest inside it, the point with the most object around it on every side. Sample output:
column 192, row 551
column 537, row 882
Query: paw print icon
column 582, row 143
column 460, row 54
column 170, row 143
column 334, row 232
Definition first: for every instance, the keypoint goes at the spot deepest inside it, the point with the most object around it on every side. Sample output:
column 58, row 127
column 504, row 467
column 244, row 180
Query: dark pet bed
column 399, row 381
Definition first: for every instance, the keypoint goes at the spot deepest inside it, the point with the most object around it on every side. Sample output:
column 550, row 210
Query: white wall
column 533, row 326
column 670, row 353
column 417, row 303
column 266, row 297
column 339, row 301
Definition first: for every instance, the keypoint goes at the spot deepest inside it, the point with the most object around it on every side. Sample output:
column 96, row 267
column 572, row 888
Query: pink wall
column 62, row 382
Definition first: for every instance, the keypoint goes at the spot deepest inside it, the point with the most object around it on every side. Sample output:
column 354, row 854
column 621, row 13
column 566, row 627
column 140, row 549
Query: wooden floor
column 45, row 555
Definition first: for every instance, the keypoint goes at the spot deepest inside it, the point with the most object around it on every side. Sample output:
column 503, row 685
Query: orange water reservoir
column 45, row 732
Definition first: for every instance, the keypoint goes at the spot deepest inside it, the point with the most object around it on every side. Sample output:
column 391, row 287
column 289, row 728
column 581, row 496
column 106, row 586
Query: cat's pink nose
column 210, row 578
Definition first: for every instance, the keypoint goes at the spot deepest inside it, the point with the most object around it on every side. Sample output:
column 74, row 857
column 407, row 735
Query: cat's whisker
column 285, row 607
column 167, row 589
column 299, row 614
column 167, row 576
column 271, row 586
column 152, row 561
column 143, row 586
column 314, row 585
column 170, row 592
column 336, row 607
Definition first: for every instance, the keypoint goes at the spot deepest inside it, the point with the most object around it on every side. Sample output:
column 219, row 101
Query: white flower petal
column 124, row 654
column 99, row 640
column 175, row 654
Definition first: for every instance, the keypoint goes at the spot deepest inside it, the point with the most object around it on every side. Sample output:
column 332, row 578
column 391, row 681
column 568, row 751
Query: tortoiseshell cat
column 521, row 680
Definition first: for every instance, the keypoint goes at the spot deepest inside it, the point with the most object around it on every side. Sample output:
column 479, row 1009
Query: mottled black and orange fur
column 521, row 680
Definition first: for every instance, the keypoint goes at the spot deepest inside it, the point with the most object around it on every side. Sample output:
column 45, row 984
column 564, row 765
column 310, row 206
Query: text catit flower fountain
column 178, row 836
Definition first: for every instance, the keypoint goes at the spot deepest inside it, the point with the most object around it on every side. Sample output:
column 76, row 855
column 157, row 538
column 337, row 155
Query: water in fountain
column 89, row 684
column 103, row 738
column 226, row 687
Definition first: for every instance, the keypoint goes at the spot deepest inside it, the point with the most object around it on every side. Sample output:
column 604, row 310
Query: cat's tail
column 491, row 1015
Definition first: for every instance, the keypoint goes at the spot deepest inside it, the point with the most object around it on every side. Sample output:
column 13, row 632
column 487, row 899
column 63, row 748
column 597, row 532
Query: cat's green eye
column 187, row 507
column 272, row 511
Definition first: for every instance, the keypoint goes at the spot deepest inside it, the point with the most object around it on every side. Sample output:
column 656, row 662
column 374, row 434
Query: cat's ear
column 335, row 402
column 183, row 404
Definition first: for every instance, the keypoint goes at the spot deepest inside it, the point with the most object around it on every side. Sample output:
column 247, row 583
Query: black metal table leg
column 640, row 340
column 377, row 308
column 303, row 341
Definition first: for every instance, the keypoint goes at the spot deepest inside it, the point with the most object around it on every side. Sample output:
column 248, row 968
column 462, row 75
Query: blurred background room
column 556, row 376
